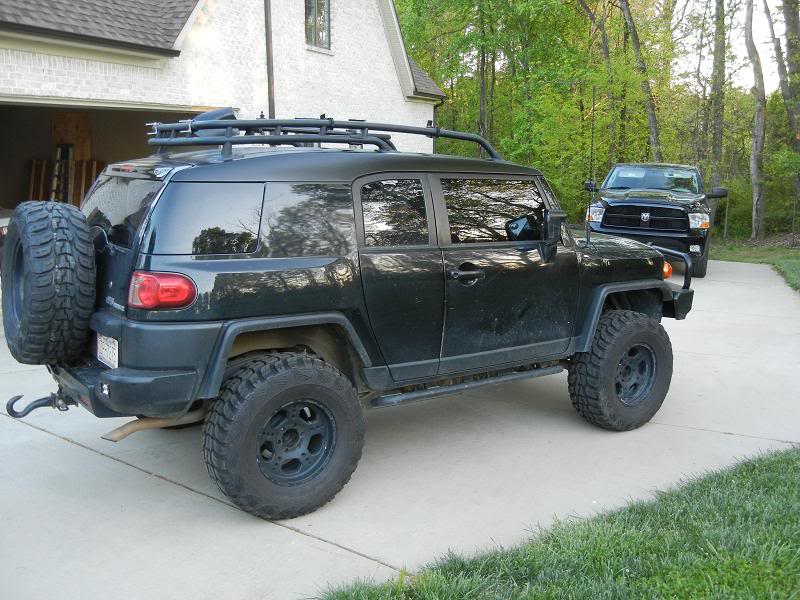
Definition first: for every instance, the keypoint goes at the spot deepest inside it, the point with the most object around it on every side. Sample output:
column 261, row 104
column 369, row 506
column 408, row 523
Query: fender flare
column 215, row 373
column 583, row 340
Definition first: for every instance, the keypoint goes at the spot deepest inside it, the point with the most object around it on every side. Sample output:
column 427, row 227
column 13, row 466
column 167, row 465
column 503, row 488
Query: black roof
column 423, row 84
column 312, row 164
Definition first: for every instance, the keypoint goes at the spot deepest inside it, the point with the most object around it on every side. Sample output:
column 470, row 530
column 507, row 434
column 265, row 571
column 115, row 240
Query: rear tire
column 285, row 435
column 623, row 379
column 48, row 283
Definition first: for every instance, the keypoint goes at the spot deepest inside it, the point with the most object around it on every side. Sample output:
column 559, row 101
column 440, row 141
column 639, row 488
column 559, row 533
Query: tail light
column 666, row 270
column 160, row 290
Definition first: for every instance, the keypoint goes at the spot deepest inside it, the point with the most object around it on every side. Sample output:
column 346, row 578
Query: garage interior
column 56, row 152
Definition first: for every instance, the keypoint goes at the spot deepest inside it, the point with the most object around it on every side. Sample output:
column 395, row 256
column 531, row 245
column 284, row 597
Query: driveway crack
column 206, row 495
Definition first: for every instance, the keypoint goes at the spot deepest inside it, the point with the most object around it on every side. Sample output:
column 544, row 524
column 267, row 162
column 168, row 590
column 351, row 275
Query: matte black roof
column 145, row 24
column 316, row 164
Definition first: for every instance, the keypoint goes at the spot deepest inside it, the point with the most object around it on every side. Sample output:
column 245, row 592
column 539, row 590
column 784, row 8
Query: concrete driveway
column 84, row 518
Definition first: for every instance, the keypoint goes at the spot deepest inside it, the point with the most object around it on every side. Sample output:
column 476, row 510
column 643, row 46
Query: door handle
column 467, row 276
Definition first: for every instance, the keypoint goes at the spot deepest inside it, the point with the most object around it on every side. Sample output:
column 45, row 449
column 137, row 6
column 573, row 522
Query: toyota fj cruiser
column 274, row 290
column 656, row 203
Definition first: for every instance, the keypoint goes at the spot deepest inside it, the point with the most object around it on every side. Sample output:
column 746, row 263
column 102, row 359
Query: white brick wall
column 222, row 63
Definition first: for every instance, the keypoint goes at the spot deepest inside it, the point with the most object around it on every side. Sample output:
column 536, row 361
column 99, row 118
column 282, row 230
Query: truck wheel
column 623, row 379
column 700, row 266
column 285, row 435
column 48, row 283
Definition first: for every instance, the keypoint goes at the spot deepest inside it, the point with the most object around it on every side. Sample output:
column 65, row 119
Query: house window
column 318, row 23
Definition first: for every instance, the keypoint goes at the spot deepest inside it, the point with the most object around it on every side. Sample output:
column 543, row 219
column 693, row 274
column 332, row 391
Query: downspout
column 270, row 65
column 436, row 119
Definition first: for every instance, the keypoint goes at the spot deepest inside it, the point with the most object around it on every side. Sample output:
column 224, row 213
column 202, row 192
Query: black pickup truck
column 274, row 291
column 656, row 203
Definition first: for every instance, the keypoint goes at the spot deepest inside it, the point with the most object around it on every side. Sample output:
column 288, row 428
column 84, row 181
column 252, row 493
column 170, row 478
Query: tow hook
column 54, row 400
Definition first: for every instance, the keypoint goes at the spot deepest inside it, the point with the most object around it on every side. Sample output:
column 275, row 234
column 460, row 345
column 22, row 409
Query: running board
column 402, row 398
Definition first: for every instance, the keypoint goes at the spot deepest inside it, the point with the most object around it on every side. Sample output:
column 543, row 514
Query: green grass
column 785, row 260
column 731, row 534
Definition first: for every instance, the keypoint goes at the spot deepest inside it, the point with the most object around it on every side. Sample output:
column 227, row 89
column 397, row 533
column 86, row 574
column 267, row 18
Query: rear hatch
column 116, row 208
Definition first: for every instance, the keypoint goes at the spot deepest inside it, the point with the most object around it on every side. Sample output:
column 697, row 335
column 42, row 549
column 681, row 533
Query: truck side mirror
column 717, row 192
column 590, row 186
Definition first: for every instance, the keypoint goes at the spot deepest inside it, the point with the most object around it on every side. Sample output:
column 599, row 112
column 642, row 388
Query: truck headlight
column 699, row 221
column 595, row 213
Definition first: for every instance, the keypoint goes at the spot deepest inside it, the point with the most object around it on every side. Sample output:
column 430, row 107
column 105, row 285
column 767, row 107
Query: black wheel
column 285, row 435
column 48, row 283
column 622, row 381
column 700, row 264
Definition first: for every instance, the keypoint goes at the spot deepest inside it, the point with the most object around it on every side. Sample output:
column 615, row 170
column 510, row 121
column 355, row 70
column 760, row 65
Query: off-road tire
column 48, row 283
column 247, row 401
column 592, row 374
column 700, row 264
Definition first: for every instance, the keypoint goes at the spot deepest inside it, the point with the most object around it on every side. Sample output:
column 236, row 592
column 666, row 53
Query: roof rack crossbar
column 299, row 131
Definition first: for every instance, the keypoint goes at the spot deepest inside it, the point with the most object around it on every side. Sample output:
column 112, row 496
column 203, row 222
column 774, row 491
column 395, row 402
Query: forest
column 572, row 87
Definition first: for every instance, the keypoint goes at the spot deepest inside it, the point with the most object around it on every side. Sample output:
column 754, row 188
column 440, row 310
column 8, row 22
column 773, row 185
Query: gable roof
column 149, row 25
column 423, row 84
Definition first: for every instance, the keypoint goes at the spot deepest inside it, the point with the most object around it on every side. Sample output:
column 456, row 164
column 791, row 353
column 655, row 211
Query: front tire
column 623, row 379
column 285, row 435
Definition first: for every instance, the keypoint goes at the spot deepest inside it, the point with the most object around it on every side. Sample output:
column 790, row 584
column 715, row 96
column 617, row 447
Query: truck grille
column 646, row 217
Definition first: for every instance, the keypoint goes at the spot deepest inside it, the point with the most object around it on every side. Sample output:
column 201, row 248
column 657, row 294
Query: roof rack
column 221, row 128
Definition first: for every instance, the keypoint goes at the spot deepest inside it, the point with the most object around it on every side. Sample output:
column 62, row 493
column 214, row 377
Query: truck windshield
column 674, row 179
column 118, row 204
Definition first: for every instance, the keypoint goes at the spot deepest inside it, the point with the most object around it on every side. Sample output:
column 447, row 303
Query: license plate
column 108, row 351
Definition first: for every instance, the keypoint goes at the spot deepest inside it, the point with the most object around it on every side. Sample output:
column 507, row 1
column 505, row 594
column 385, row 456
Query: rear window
column 206, row 218
column 118, row 205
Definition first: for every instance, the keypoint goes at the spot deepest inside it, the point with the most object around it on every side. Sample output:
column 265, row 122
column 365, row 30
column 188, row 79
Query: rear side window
column 118, row 204
column 394, row 213
column 489, row 210
column 206, row 218
column 308, row 219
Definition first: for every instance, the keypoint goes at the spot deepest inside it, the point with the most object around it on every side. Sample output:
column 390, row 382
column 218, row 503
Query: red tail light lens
column 160, row 290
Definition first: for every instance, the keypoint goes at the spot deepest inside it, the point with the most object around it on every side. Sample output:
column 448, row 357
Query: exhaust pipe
column 120, row 433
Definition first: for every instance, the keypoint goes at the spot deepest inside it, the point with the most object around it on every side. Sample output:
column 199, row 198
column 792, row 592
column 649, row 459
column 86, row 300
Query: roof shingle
column 423, row 84
column 150, row 24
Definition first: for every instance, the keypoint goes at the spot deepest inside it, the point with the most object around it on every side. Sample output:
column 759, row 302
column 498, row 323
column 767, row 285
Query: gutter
column 270, row 59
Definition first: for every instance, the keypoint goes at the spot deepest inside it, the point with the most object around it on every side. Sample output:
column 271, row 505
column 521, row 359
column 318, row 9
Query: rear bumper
column 141, row 385
column 675, row 240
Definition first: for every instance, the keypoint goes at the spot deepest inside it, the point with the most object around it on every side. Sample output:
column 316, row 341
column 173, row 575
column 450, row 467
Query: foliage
column 732, row 534
column 535, row 64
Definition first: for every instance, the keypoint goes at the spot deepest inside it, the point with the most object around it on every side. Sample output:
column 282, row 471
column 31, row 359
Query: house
column 80, row 78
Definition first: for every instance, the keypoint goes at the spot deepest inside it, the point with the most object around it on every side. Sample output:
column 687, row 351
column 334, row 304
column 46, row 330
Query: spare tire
column 48, row 283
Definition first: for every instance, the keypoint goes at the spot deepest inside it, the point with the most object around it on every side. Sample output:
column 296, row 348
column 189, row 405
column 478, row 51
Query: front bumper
column 675, row 240
column 142, row 385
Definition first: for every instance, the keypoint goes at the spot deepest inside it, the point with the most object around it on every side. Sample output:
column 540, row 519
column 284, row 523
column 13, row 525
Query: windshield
column 118, row 205
column 674, row 179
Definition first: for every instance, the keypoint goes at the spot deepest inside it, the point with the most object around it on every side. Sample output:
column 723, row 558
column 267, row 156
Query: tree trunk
column 791, row 18
column 759, row 126
column 482, row 112
column 623, row 111
column 649, row 103
column 718, row 92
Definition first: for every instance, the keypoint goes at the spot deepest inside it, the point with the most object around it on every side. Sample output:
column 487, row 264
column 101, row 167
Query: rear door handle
column 466, row 275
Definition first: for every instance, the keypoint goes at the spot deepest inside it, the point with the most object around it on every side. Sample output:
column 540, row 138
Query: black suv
column 275, row 291
column 656, row 203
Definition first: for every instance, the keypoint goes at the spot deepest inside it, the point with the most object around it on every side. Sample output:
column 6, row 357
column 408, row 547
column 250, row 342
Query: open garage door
column 56, row 153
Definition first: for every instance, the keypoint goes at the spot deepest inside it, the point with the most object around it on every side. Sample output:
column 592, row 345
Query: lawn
column 786, row 260
column 731, row 534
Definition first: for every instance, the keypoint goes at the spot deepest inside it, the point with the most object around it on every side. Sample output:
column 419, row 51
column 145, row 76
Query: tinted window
column 676, row 179
column 118, row 205
column 482, row 210
column 394, row 213
column 308, row 219
column 206, row 218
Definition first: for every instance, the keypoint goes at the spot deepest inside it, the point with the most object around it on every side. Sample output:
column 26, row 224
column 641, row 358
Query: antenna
column 591, row 167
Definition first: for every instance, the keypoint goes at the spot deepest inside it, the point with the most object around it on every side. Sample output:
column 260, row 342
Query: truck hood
column 689, row 201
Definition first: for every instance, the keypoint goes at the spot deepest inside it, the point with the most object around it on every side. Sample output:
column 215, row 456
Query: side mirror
column 553, row 220
column 590, row 186
column 717, row 192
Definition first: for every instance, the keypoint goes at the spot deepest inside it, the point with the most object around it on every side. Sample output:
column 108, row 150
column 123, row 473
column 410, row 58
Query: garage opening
column 56, row 153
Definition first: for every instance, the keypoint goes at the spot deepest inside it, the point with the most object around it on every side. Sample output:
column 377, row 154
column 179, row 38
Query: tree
column 718, row 92
column 759, row 127
column 641, row 65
